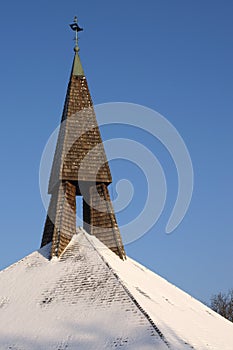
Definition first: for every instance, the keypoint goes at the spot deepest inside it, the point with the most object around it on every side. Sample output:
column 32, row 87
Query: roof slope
column 90, row 299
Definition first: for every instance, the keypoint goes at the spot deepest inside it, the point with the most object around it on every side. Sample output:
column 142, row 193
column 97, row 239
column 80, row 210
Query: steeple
column 80, row 168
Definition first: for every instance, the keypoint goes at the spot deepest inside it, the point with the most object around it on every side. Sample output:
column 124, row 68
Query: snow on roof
column 90, row 299
column 180, row 317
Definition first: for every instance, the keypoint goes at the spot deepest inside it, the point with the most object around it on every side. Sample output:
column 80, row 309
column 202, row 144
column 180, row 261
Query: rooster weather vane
column 75, row 27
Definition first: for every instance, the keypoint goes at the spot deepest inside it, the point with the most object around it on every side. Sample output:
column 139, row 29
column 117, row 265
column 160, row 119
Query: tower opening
column 79, row 211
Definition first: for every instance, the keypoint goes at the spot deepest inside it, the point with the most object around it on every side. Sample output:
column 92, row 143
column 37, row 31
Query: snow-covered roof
column 90, row 299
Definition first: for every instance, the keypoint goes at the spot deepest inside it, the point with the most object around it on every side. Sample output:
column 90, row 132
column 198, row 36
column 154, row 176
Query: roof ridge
column 161, row 335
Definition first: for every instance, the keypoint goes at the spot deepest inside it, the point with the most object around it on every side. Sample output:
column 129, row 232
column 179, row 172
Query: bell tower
column 80, row 168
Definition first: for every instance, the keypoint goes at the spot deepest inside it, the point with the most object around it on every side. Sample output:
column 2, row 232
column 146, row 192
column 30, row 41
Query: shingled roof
column 79, row 134
column 88, row 299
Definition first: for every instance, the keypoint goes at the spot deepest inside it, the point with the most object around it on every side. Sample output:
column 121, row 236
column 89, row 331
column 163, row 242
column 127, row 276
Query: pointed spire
column 77, row 68
column 80, row 168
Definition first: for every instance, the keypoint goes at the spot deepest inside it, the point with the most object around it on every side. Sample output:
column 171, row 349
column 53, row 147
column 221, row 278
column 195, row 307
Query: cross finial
column 75, row 27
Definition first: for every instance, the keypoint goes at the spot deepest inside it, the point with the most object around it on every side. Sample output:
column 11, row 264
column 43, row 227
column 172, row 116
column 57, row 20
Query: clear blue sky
column 175, row 57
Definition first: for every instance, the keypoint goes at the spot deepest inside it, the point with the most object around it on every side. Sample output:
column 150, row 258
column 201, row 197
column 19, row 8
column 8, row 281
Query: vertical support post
column 99, row 218
column 60, row 223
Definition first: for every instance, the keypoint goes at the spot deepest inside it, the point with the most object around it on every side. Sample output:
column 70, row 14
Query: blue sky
column 172, row 56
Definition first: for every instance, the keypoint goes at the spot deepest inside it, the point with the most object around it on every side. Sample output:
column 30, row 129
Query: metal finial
column 75, row 27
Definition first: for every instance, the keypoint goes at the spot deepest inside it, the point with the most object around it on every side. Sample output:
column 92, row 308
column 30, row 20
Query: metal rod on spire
column 75, row 27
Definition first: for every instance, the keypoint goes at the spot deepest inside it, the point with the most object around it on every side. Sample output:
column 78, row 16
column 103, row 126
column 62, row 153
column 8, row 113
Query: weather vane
column 75, row 27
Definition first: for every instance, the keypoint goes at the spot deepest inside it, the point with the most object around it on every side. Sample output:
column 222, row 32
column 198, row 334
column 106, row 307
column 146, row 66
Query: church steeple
column 80, row 168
